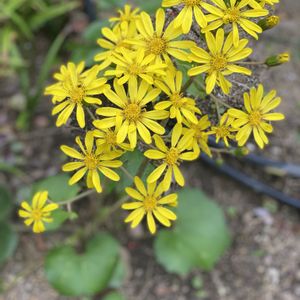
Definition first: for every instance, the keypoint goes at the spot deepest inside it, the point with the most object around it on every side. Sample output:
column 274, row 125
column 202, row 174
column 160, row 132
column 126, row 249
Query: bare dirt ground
column 263, row 262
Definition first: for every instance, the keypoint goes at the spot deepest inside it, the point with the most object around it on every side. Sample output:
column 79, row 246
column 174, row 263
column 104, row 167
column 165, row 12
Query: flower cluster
column 136, row 96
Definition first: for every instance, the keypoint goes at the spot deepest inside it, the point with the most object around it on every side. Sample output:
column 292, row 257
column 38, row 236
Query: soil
column 263, row 261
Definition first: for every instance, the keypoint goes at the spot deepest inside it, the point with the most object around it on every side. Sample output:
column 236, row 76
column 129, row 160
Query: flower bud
column 269, row 22
column 279, row 59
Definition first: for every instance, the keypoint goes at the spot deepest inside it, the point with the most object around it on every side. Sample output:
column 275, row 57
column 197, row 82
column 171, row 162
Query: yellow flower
column 237, row 14
column 224, row 130
column 37, row 213
column 256, row 117
column 91, row 161
column 180, row 107
column 262, row 3
column 161, row 42
column 74, row 91
column 150, row 202
column 171, row 157
column 131, row 115
column 107, row 139
column 219, row 62
column 126, row 16
column 133, row 64
column 199, row 135
column 185, row 17
column 114, row 40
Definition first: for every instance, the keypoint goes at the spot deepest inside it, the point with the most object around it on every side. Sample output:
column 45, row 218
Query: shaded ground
column 263, row 263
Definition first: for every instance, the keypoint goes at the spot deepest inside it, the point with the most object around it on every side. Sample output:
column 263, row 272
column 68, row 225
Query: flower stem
column 187, row 84
column 127, row 173
column 78, row 197
column 251, row 63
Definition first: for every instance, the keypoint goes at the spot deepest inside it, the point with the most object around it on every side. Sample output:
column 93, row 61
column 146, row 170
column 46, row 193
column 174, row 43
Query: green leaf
column 58, row 187
column 149, row 6
column 85, row 274
column 6, row 203
column 199, row 237
column 109, row 5
column 9, row 240
column 114, row 296
column 39, row 19
column 93, row 31
column 119, row 274
column 59, row 217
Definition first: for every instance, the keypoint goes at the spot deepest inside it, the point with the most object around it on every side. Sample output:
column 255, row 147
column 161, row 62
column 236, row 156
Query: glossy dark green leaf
column 6, row 203
column 8, row 241
column 199, row 237
column 58, row 187
column 85, row 274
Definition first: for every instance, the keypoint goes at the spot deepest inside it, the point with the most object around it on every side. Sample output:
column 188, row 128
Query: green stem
column 127, row 173
column 187, row 84
column 78, row 197
column 251, row 63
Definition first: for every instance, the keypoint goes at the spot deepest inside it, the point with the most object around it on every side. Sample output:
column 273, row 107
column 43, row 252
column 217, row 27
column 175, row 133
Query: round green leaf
column 199, row 237
column 5, row 203
column 84, row 274
column 58, row 187
column 8, row 241
column 59, row 216
column 114, row 296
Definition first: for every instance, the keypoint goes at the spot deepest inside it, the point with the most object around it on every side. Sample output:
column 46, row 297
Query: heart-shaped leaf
column 84, row 274
column 5, row 203
column 8, row 241
column 58, row 187
column 59, row 216
column 199, row 237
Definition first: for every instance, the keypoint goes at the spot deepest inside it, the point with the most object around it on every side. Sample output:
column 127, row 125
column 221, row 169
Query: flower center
column 77, row 94
column 91, row 162
column 149, row 203
column 191, row 2
column 111, row 138
column 218, row 62
column 132, row 112
column 156, row 45
column 176, row 100
column 135, row 69
column 231, row 15
column 36, row 214
column 222, row 131
column 255, row 118
column 172, row 156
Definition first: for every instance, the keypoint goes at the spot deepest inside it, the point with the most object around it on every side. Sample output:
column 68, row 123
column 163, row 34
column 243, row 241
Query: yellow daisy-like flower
column 171, row 157
column 151, row 203
column 74, row 91
column 263, row 3
column 107, row 139
column 224, row 130
column 37, row 213
column 91, row 161
column 199, row 135
column 161, row 42
column 256, row 117
column 180, row 107
column 126, row 16
column 219, row 61
column 236, row 13
column 114, row 40
column 64, row 76
column 133, row 64
column 130, row 115
column 185, row 17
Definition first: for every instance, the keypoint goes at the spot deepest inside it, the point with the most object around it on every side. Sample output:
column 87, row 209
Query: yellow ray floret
column 91, row 160
column 255, row 119
column 220, row 60
column 126, row 16
column 180, row 107
column 236, row 13
column 185, row 17
column 151, row 203
column 159, row 41
column 130, row 115
column 131, row 65
column 171, row 157
column 38, row 212
column 74, row 91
